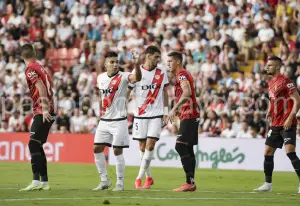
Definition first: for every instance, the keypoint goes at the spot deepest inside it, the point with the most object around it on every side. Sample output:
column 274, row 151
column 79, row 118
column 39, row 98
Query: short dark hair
column 152, row 50
column 27, row 51
column 111, row 54
column 176, row 55
column 275, row 58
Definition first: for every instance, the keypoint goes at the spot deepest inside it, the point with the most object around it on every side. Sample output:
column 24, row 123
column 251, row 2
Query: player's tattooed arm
column 186, row 95
column 136, row 76
column 44, row 100
column 296, row 98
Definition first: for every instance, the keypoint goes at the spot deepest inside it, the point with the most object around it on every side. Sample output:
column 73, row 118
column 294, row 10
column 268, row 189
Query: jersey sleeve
column 182, row 78
column 32, row 75
column 166, row 79
column 130, row 85
column 99, row 81
column 290, row 86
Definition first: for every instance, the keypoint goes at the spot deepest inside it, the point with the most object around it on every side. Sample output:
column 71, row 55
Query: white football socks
column 145, row 163
column 101, row 165
column 36, row 182
column 120, row 169
column 148, row 174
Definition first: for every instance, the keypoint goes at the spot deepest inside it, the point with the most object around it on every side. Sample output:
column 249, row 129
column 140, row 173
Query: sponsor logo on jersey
column 108, row 91
column 151, row 86
column 32, row 75
column 290, row 86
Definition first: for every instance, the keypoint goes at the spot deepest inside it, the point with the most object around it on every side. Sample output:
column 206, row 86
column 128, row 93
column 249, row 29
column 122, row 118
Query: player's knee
column 269, row 151
column 181, row 149
column 150, row 147
column 99, row 148
column 292, row 156
column 34, row 146
column 142, row 145
column 118, row 151
column 150, row 144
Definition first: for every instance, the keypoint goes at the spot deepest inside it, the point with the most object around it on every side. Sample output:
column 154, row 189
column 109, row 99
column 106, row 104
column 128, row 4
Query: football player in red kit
column 283, row 107
column 40, row 87
column 187, row 108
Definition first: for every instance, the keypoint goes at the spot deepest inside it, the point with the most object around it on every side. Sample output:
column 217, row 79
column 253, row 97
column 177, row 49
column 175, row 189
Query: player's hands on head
column 135, row 57
column 288, row 123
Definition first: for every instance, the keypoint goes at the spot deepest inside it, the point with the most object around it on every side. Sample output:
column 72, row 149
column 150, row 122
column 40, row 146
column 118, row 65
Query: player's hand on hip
column 47, row 117
column 165, row 121
column 269, row 117
column 288, row 123
column 171, row 116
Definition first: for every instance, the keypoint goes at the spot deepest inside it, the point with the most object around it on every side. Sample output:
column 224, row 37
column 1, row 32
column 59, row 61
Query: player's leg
column 139, row 133
column 120, row 169
column 119, row 130
column 273, row 141
column 34, row 147
column 142, row 145
column 290, row 148
column 185, row 141
column 145, row 164
column 153, row 134
column 44, row 171
column 102, row 138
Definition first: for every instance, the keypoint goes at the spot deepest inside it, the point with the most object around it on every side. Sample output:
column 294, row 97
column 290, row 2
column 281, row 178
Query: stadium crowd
column 225, row 44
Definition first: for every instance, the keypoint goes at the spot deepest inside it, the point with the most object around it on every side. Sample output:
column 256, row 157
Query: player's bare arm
column 166, row 106
column 100, row 104
column 268, row 115
column 136, row 76
column 296, row 98
column 44, row 100
column 186, row 95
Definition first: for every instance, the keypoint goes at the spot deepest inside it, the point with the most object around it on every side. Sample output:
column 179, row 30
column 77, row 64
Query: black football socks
column 268, row 168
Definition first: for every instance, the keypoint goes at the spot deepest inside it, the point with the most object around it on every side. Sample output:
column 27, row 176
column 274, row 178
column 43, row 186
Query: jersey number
column 136, row 126
column 48, row 86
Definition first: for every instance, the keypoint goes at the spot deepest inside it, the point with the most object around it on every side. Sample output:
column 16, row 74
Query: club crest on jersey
column 157, row 76
column 181, row 78
column 114, row 82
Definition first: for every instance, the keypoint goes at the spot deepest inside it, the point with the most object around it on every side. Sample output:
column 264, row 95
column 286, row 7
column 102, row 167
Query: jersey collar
column 112, row 75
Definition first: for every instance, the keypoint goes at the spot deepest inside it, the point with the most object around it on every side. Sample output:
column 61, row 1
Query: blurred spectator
column 15, row 123
column 228, row 132
column 244, row 133
column 77, row 121
column 225, row 45
column 62, row 121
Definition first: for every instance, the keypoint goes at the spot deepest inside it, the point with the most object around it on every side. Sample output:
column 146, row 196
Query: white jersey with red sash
column 113, row 92
column 149, row 93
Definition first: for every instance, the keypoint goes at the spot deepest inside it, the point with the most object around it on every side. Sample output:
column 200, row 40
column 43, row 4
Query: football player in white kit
column 113, row 127
column 151, row 111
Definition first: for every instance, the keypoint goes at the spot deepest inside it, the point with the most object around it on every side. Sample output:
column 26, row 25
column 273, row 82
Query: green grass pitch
column 72, row 184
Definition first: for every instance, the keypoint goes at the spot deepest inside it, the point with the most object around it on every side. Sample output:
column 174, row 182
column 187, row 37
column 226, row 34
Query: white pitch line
column 132, row 197
column 157, row 190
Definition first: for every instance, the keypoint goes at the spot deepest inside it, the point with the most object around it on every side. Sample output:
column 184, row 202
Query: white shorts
column 112, row 133
column 144, row 128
